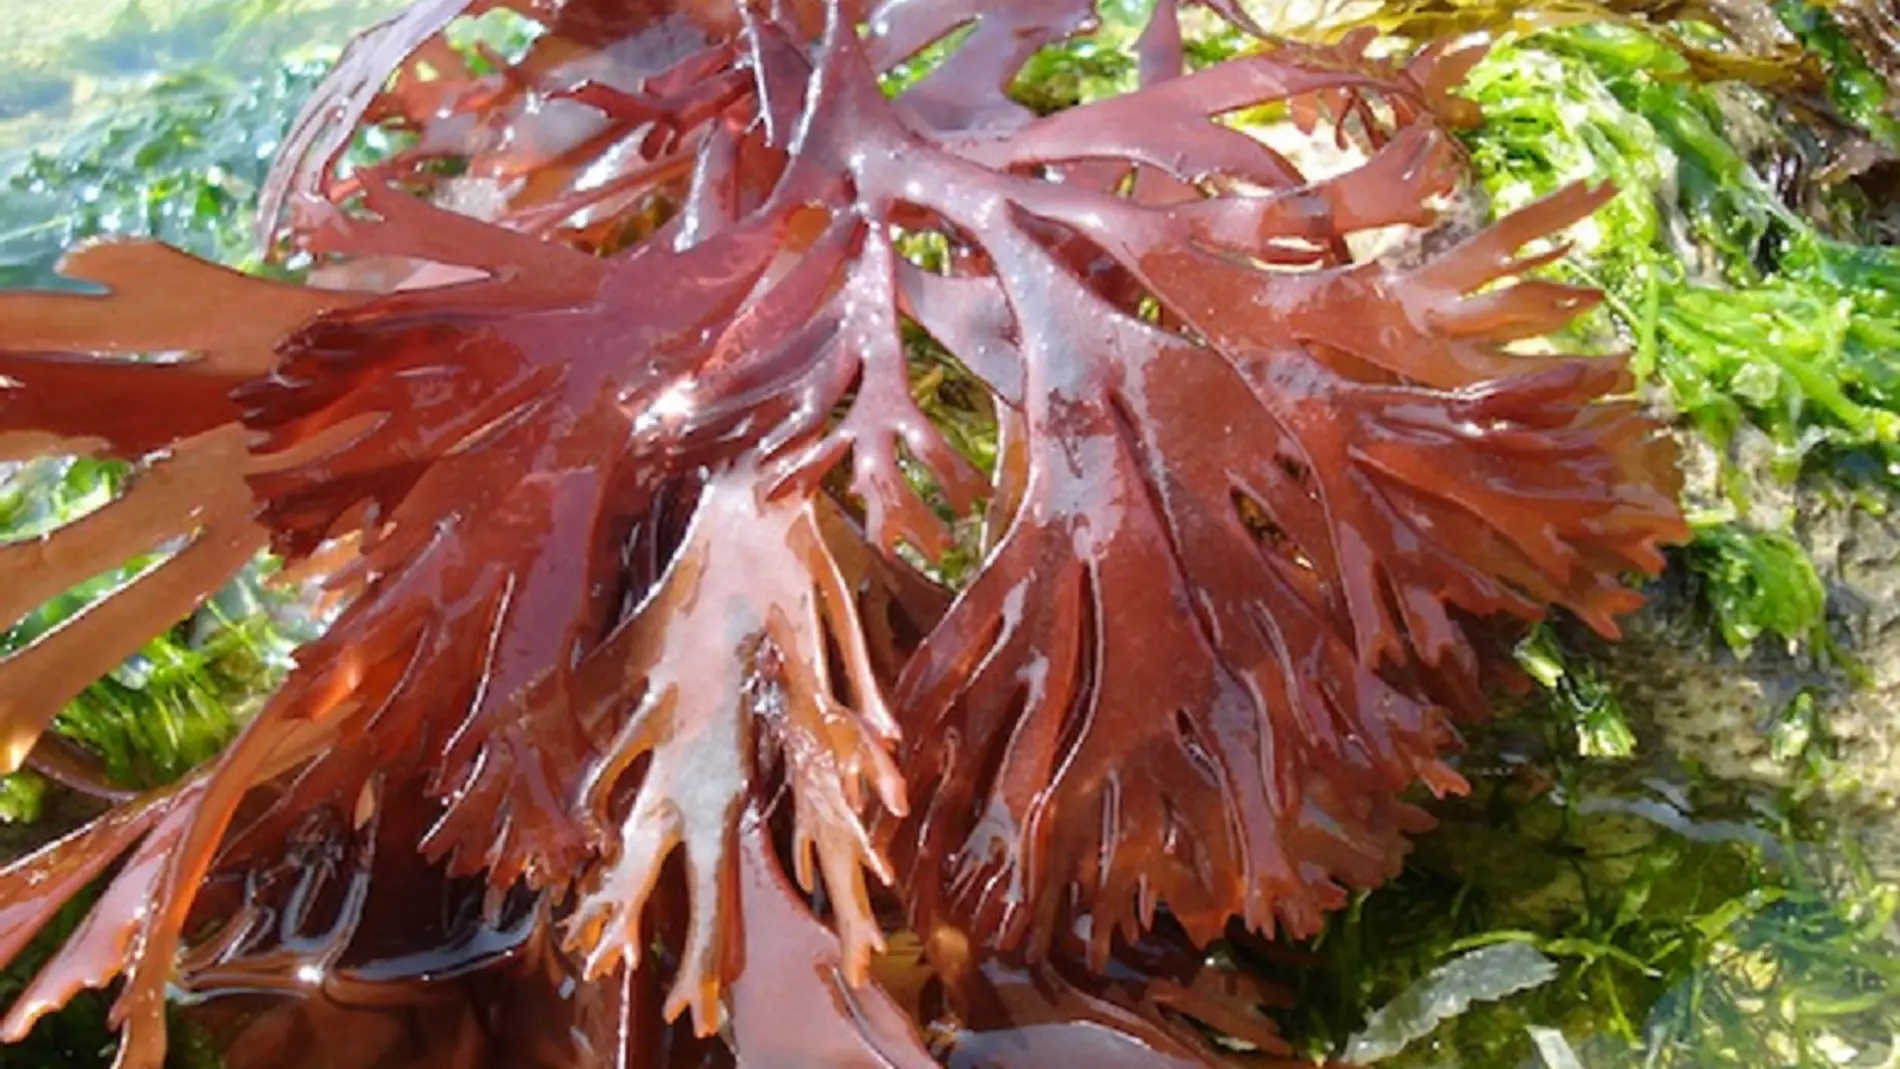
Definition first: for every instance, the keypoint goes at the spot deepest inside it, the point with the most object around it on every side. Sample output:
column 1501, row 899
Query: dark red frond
column 640, row 695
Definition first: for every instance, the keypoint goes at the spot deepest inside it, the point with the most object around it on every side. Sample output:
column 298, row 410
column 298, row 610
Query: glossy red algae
column 632, row 688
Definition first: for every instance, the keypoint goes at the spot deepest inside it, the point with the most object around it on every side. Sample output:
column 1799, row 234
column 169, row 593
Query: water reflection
column 152, row 118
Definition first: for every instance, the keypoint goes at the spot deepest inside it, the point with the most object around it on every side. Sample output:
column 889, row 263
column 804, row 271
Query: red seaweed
column 642, row 730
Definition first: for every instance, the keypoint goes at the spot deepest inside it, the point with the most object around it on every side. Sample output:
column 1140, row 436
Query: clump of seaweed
column 1748, row 312
column 1689, row 923
column 178, row 163
column 1667, row 922
column 639, row 733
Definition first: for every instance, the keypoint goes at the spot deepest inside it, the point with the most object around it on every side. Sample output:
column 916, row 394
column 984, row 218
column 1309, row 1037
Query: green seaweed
column 180, row 698
column 1741, row 309
column 1854, row 86
column 22, row 797
column 1693, row 926
column 1758, row 583
column 1576, row 694
column 181, row 161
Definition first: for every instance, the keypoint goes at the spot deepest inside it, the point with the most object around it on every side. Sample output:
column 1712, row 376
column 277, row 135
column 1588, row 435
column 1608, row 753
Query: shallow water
column 64, row 59
column 151, row 117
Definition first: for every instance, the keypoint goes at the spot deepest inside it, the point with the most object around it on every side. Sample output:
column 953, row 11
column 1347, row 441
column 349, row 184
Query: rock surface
column 1686, row 692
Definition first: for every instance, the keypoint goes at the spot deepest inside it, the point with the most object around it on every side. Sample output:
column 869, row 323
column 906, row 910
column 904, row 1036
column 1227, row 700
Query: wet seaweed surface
column 646, row 731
